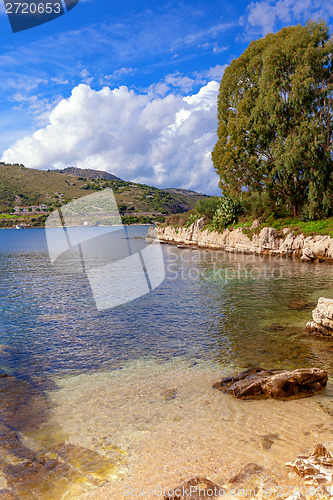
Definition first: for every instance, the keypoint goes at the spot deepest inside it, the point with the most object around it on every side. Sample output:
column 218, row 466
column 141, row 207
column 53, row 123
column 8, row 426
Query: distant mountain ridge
column 100, row 174
column 88, row 172
column 181, row 191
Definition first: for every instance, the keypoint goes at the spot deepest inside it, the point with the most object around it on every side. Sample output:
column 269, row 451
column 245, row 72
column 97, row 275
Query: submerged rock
column 34, row 462
column 23, row 405
column 322, row 315
column 10, row 443
column 65, row 470
column 196, row 488
column 275, row 327
column 8, row 495
column 317, row 467
column 267, row 443
column 169, row 394
column 298, row 305
column 42, row 478
column 257, row 383
column 245, row 472
column 88, row 462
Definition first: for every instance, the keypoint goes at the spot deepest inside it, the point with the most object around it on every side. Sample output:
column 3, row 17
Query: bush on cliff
column 228, row 212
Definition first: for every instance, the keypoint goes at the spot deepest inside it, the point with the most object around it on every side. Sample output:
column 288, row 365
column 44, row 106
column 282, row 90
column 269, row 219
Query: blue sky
column 130, row 87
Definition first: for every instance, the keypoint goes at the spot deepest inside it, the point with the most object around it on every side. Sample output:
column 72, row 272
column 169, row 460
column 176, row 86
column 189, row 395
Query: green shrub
column 191, row 219
column 228, row 211
column 207, row 207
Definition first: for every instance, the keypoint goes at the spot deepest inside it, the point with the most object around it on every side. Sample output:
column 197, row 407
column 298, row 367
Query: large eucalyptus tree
column 275, row 121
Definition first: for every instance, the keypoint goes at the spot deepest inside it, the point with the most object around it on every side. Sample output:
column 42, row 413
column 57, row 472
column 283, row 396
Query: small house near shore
column 31, row 209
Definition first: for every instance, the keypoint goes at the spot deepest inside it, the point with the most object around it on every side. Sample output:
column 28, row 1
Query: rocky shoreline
column 268, row 241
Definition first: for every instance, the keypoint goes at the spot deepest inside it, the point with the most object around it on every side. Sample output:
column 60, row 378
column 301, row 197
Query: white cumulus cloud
column 264, row 16
column 163, row 141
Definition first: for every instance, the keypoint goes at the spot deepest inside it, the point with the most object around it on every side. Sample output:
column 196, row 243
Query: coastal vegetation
column 245, row 221
column 274, row 150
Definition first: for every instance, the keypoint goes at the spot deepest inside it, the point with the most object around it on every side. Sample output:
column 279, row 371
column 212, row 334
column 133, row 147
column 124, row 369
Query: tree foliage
column 275, row 121
column 207, row 207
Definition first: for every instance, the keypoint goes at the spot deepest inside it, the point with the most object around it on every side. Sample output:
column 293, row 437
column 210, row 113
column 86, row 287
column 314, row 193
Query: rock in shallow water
column 298, row 305
column 245, row 472
column 316, row 468
column 257, row 383
column 308, row 254
column 322, row 323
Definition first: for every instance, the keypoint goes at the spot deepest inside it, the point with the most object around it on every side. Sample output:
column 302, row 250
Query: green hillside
column 88, row 172
column 138, row 203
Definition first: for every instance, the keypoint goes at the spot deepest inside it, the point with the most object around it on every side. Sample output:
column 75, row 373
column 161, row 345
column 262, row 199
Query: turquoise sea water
column 127, row 377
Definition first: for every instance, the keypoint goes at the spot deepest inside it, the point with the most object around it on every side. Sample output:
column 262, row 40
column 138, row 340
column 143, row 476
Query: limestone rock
column 322, row 323
column 321, row 244
column 198, row 224
column 288, row 244
column 268, row 238
column 317, row 467
column 255, row 224
column 169, row 394
column 257, row 383
column 309, row 248
column 330, row 250
column 318, row 330
column 309, row 253
column 304, row 258
column 152, row 234
column 323, row 313
column 298, row 242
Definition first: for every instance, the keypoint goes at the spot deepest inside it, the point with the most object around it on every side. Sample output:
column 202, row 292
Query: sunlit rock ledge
column 268, row 241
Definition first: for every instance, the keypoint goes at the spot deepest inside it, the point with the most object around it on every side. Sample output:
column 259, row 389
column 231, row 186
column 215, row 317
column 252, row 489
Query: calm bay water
column 213, row 314
column 237, row 310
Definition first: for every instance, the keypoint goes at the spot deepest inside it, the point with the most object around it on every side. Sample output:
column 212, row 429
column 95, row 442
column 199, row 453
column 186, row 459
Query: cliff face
column 268, row 241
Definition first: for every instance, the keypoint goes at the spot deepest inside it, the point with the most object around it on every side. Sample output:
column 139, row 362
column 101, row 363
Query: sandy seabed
column 172, row 426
